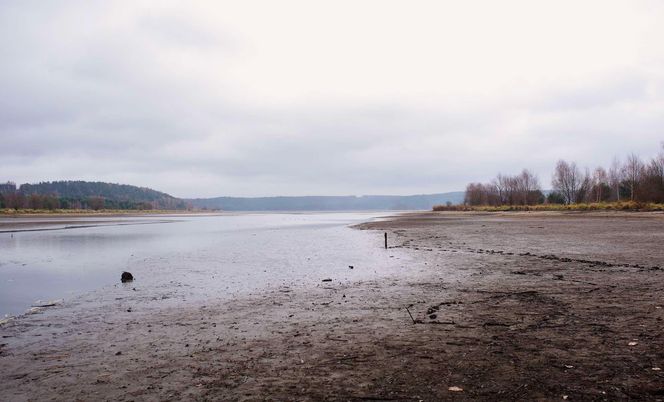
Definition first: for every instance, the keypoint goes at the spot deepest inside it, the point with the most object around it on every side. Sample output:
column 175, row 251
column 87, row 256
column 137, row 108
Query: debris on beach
column 42, row 305
column 327, row 280
column 39, row 306
column 126, row 277
column 411, row 316
column 455, row 389
column 632, row 343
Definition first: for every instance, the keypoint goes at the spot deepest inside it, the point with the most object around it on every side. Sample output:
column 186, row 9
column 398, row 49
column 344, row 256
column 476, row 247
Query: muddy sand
column 21, row 222
column 517, row 306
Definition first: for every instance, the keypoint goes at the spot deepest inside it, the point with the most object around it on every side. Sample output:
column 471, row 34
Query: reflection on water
column 209, row 256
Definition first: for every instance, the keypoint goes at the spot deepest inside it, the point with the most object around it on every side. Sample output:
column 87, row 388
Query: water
column 187, row 257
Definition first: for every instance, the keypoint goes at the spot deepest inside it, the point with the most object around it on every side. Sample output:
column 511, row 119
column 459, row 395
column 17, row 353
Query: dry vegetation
column 592, row 206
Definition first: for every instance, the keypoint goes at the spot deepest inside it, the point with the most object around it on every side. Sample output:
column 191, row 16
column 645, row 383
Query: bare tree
column 499, row 185
column 506, row 184
column 474, row 194
column 615, row 177
column 521, row 189
column 652, row 182
column 657, row 166
column 583, row 194
column 600, row 181
column 567, row 180
column 632, row 173
column 481, row 194
column 529, row 187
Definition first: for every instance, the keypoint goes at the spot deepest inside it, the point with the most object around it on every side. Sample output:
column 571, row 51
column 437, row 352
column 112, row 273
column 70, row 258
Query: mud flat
column 532, row 306
column 30, row 224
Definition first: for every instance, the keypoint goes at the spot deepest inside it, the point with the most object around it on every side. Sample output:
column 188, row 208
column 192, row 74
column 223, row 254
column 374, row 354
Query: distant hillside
column 100, row 195
column 329, row 203
column 88, row 195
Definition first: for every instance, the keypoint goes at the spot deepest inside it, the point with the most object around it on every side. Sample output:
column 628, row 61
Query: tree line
column 632, row 180
column 85, row 195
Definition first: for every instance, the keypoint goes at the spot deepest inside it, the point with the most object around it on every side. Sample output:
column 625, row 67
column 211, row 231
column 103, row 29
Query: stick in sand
column 411, row 316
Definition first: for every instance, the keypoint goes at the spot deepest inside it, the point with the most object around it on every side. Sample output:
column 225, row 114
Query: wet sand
column 56, row 221
column 534, row 306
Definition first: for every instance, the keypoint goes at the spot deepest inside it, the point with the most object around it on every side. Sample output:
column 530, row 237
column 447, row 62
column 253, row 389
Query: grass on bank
column 594, row 206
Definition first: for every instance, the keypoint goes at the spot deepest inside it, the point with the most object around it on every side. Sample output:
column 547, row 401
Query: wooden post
column 385, row 240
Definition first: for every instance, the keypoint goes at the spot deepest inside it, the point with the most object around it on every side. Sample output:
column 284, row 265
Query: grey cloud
column 103, row 104
column 624, row 87
column 184, row 32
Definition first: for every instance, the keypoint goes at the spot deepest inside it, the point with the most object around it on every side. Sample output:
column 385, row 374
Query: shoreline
column 499, row 310
column 86, row 213
column 40, row 222
column 30, row 222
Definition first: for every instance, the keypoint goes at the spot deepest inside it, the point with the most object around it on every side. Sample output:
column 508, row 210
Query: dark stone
column 126, row 277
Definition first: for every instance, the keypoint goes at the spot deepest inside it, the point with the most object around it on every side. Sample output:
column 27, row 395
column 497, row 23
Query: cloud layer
column 296, row 98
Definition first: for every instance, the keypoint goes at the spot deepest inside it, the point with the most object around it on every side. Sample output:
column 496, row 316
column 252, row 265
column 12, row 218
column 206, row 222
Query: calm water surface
column 195, row 257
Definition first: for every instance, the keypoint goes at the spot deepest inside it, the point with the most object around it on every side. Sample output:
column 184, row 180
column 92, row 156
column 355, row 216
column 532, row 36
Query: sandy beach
column 501, row 306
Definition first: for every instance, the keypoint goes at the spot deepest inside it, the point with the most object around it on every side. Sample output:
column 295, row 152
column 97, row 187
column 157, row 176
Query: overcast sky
column 251, row 98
